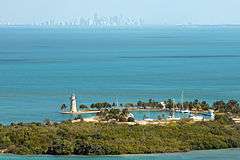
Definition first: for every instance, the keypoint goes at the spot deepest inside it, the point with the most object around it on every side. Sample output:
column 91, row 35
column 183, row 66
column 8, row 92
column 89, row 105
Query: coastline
column 80, row 112
column 137, row 122
column 194, row 152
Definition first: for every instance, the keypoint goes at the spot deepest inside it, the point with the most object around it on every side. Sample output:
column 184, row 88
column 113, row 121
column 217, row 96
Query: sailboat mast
column 117, row 101
column 182, row 99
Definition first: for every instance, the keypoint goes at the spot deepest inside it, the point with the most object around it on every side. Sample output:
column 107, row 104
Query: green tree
column 219, row 106
column 79, row 117
column 63, row 107
column 5, row 142
column 62, row 146
column 232, row 106
column 83, row 106
column 204, row 105
column 101, row 105
column 170, row 104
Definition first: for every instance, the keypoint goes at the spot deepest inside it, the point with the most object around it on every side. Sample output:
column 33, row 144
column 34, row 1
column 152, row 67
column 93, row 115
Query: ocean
column 41, row 67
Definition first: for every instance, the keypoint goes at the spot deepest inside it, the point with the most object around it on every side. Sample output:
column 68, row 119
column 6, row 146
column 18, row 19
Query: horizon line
column 112, row 26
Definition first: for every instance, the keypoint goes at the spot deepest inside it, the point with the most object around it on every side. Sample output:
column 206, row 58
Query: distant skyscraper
column 94, row 21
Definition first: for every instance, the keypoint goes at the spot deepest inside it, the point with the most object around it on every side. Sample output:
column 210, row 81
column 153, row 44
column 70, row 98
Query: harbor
column 146, row 115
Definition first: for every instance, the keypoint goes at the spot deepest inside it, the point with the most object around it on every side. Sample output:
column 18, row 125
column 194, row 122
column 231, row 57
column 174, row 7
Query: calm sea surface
column 228, row 154
column 41, row 67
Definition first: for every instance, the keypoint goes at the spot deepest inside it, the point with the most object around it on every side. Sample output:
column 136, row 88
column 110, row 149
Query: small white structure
column 73, row 104
column 196, row 117
column 211, row 113
column 163, row 104
column 173, row 118
column 130, row 115
column 185, row 111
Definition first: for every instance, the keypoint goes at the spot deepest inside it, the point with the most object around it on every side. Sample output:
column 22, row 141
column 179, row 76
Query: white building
column 73, row 104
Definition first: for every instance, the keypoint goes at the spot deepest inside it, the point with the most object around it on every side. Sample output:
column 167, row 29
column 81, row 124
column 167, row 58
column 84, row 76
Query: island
column 116, row 131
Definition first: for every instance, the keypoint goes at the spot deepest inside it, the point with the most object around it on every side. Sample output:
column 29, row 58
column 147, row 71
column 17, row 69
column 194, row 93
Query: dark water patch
column 26, row 60
column 181, row 57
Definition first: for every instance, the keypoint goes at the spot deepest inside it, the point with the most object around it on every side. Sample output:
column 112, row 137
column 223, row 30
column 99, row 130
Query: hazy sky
column 152, row 11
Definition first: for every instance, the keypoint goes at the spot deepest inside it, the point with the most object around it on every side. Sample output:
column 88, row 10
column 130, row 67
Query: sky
column 152, row 11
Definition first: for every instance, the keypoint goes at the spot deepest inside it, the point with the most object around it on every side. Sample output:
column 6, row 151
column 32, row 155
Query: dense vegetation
column 101, row 105
column 109, row 138
column 115, row 115
column 232, row 106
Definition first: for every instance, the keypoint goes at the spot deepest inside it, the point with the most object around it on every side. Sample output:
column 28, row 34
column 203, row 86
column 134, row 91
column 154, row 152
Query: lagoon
column 147, row 114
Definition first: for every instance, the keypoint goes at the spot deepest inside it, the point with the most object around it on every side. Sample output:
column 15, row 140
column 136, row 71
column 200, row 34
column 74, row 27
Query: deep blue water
column 228, row 154
column 41, row 67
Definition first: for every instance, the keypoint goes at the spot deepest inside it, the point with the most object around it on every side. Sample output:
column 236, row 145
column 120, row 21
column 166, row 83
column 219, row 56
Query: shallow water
column 41, row 67
column 228, row 154
column 141, row 115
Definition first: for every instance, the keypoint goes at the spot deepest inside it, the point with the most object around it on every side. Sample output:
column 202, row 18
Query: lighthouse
column 73, row 103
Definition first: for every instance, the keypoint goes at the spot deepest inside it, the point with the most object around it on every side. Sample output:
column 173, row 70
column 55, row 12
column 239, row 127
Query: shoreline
column 137, row 122
column 80, row 112
column 118, row 155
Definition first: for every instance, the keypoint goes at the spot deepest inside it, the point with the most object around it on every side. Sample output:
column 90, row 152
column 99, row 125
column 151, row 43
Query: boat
column 177, row 110
column 210, row 114
column 163, row 104
column 185, row 111
column 149, row 119
column 172, row 117
column 196, row 117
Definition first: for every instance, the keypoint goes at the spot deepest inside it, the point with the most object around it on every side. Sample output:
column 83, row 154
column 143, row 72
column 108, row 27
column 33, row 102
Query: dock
column 80, row 112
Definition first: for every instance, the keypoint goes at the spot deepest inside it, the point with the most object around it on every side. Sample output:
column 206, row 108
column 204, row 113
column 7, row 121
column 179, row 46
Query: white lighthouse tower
column 73, row 103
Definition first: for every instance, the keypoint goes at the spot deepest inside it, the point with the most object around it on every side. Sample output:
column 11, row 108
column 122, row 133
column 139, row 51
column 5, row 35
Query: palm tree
column 219, row 106
column 196, row 104
column 232, row 106
column 125, row 112
column 83, row 106
column 170, row 104
column 204, row 105
column 63, row 107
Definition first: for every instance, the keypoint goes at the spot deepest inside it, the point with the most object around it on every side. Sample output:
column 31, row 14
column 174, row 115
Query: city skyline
column 154, row 12
column 95, row 20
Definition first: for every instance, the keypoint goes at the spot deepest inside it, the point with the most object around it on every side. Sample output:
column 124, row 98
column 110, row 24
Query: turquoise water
column 155, row 115
column 41, row 67
column 229, row 154
column 141, row 115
